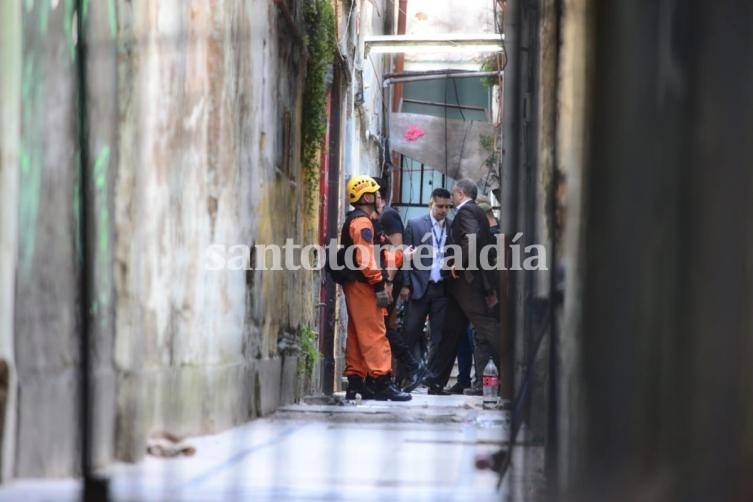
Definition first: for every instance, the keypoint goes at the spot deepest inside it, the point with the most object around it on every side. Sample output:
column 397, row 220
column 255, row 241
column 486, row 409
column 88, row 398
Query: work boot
column 356, row 386
column 384, row 390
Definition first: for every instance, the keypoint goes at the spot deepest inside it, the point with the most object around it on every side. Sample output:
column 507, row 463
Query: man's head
column 484, row 203
column 362, row 190
column 381, row 194
column 440, row 203
column 463, row 190
column 380, row 203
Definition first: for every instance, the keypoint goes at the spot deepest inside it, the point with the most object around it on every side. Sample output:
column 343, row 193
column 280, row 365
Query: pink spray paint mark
column 413, row 133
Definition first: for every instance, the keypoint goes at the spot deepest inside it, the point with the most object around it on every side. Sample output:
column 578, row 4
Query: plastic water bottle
column 491, row 385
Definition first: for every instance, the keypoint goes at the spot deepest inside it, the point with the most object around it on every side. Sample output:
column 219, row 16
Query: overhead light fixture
column 446, row 42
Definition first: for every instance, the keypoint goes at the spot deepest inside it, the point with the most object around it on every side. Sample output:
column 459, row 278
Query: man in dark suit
column 471, row 290
column 423, row 285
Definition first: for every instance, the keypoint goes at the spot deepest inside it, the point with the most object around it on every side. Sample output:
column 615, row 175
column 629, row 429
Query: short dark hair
column 441, row 193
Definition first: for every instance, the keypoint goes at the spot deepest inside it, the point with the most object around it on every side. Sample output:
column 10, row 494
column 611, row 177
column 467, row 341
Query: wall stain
column 30, row 150
column 68, row 28
column 102, row 250
column 30, row 183
column 112, row 18
column 27, row 79
column 44, row 17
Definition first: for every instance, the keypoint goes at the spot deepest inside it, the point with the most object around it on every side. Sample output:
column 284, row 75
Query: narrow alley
column 421, row 450
column 222, row 220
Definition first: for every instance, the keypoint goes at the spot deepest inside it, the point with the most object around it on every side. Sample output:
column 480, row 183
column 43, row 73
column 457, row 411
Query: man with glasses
column 423, row 285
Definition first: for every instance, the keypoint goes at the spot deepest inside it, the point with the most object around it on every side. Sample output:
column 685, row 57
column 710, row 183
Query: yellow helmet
column 359, row 185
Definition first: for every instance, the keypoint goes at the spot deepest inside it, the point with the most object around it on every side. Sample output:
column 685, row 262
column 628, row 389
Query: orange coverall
column 367, row 350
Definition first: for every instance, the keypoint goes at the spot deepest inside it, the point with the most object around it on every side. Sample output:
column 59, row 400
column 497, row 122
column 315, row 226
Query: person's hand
column 405, row 293
column 383, row 298
column 388, row 288
column 408, row 253
column 454, row 273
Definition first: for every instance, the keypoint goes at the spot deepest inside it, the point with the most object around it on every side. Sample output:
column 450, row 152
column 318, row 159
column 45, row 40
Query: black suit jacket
column 471, row 220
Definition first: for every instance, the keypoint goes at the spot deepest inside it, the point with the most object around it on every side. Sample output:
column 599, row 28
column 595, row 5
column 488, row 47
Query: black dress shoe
column 436, row 390
column 458, row 388
column 414, row 378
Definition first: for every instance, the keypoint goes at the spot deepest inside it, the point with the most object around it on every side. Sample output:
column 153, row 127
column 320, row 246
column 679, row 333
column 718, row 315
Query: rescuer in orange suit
column 368, row 359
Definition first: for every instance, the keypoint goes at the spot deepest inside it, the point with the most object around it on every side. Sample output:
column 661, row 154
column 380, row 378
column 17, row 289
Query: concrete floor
column 420, row 450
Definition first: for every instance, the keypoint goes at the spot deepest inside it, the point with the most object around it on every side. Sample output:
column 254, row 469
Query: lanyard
column 439, row 239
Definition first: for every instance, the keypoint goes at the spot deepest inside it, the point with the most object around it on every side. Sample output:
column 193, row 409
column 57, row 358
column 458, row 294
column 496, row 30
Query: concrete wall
column 194, row 111
column 361, row 120
column 10, row 105
column 362, row 128
column 576, row 70
column 368, row 109
column 204, row 160
column 658, row 394
column 48, row 254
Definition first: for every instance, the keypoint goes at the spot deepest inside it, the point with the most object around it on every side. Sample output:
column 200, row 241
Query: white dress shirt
column 438, row 239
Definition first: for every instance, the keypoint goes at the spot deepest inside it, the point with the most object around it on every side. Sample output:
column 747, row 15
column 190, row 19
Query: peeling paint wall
column 42, row 250
column 194, row 110
column 102, row 116
column 368, row 92
column 45, row 310
column 361, row 123
column 209, row 93
column 362, row 126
